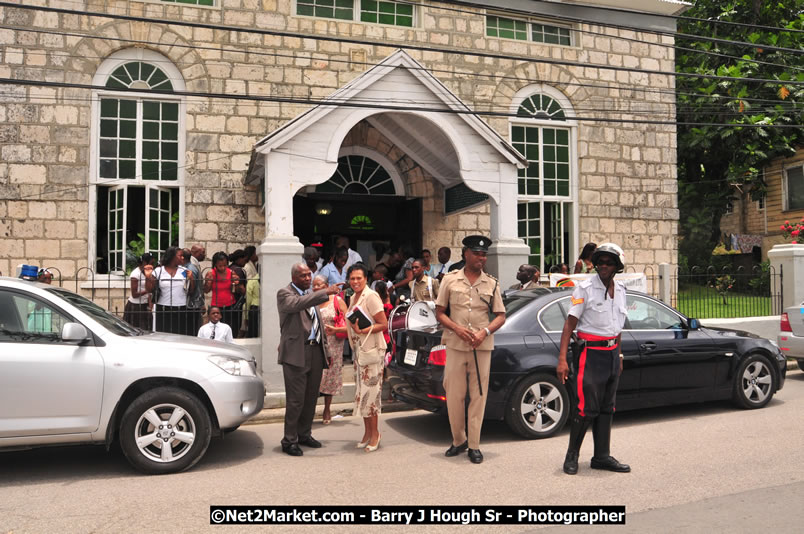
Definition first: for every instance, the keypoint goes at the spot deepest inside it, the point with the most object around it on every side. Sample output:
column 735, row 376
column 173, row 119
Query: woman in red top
column 222, row 282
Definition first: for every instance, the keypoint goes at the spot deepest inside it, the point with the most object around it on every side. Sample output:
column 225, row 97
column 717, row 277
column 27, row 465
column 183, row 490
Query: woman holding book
column 366, row 323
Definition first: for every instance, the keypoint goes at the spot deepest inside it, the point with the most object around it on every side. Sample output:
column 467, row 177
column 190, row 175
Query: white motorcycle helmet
column 612, row 250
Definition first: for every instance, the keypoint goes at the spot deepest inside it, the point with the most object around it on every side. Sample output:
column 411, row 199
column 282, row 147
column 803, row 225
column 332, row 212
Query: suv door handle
column 649, row 346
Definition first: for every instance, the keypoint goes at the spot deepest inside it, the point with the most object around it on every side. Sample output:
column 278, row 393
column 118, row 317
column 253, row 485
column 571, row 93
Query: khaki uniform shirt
column 467, row 306
column 420, row 290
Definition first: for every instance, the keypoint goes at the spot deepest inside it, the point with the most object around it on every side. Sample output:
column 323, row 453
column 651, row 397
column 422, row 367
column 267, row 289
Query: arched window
column 138, row 147
column 359, row 175
column 546, row 203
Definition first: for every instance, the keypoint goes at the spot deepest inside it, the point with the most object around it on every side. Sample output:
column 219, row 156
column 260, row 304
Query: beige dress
column 368, row 378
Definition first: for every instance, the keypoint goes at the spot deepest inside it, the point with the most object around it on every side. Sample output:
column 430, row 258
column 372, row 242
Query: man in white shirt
column 438, row 270
column 215, row 329
column 354, row 256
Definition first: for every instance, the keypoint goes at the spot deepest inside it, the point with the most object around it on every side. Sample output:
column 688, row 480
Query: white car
column 72, row 373
column 791, row 337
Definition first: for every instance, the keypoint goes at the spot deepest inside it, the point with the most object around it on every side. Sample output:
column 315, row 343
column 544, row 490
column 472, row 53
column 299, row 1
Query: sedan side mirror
column 694, row 324
column 74, row 333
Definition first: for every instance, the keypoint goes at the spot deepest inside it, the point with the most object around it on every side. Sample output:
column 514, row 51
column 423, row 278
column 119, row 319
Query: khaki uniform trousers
column 460, row 370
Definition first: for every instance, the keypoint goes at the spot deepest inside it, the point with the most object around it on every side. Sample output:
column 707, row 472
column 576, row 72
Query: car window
column 554, row 315
column 24, row 318
column 111, row 322
column 644, row 314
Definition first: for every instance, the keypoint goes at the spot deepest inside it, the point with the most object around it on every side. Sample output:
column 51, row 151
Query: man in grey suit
column 301, row 354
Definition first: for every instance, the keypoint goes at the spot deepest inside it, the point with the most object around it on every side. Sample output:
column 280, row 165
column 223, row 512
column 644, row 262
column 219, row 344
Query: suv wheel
column 539, row 407
column 165, row 430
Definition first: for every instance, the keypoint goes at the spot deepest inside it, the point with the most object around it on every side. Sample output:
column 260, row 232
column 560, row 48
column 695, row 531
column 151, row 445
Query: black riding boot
column 577, row 433
column 601, row 432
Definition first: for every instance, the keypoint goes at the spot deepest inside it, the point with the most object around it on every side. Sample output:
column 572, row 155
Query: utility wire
column 308, row 57
column 334, row 103
column 489, row 55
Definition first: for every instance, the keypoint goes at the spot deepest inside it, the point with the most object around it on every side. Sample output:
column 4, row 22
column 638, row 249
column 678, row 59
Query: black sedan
column 669, row 359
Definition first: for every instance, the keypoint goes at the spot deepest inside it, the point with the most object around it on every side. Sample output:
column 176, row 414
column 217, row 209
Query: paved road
column 696, row 467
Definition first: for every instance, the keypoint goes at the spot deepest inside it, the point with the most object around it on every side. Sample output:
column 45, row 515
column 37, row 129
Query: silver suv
column 72, row 373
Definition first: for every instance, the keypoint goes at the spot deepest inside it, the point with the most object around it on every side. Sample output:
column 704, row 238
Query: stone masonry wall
column 627, row 171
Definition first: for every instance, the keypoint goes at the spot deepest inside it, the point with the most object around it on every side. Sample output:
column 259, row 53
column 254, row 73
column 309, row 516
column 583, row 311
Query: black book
column 360, row 317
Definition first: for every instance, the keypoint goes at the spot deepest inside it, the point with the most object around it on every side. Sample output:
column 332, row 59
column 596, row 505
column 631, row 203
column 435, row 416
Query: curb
column 277, row 415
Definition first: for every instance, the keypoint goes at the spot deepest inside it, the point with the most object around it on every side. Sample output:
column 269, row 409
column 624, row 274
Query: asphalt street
column 696, row 468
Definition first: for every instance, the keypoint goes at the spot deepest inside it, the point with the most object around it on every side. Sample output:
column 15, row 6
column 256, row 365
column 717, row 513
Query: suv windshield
column 109, row 321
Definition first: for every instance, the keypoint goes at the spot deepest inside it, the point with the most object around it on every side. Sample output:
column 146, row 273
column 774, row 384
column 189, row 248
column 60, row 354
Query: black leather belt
column 603, row 343
column 312, row 342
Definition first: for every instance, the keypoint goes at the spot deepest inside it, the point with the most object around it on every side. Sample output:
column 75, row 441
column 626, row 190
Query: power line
column 328, row 102
column 366, row 63
column 489, row 55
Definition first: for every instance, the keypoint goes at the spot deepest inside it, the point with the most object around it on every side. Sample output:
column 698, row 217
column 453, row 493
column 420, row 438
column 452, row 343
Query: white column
column 508, row 251
column 788, row 260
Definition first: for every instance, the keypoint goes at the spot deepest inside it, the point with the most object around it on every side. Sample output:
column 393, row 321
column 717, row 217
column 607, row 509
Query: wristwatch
column 488, row 332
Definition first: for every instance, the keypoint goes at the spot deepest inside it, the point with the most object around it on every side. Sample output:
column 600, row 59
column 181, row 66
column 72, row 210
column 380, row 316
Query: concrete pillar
column 788, row 260
column 508, row 251
column 666, row 283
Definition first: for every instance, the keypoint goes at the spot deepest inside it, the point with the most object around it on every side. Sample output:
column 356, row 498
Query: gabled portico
column 419, row 115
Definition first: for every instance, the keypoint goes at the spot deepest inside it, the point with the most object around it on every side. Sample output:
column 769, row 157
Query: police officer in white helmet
column 598, row 312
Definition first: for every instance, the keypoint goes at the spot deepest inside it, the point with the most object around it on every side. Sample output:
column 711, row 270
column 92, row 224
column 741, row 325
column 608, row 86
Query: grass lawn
column 703, row 302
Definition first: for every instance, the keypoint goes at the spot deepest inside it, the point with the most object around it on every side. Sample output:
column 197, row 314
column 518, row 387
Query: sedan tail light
column 785, row 326
column 438, row 355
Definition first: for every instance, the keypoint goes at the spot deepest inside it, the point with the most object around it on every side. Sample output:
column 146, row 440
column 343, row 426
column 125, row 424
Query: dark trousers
column 593, row 384
column 253, row 322
column 301, row 394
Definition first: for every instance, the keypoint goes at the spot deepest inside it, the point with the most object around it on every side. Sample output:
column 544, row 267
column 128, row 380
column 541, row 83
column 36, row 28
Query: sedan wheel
column 165, row 430
column 754, row 383
column 538, row 408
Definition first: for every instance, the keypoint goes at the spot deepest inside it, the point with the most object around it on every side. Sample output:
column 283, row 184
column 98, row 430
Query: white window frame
column 786, row 188
column 107, row 67
column 356, row 15
column 573, row 31
column 572, row 225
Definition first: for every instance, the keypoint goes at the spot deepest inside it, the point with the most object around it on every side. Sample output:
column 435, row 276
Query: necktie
column 213, row 331
column 315, row 330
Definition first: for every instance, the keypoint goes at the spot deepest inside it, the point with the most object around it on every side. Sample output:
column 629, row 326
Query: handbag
column 369, row 357
column 340, row 321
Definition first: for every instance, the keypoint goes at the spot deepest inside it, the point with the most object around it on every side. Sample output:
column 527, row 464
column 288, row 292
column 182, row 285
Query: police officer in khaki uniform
column 471, row 296
column 422, row 287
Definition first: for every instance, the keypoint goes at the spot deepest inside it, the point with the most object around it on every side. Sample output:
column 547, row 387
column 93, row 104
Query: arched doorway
column 364, row 200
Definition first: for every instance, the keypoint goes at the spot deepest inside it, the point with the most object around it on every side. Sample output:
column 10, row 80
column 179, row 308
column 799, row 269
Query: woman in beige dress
column 332, row 378
column 368, row 346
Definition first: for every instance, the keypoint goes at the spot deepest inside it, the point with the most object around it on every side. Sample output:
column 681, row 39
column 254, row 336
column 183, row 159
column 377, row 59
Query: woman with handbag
column 222, row 282
column 333, row 317
column 368, row 346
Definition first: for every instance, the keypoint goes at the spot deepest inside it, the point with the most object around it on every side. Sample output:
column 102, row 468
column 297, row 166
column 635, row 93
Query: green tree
column 721, row 151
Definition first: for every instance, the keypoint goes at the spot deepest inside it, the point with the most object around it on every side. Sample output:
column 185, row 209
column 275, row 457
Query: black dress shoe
column 571, row 463
column 475, row 456
column 311, row 442
column 292, row 449
column 455, row 451
column 610, row 463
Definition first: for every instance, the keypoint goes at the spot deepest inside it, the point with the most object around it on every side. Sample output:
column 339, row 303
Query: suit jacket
column 295, row 323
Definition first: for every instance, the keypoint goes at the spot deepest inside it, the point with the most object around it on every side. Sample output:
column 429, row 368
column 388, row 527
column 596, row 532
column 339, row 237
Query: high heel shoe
column 362, row 444
column 372, row 448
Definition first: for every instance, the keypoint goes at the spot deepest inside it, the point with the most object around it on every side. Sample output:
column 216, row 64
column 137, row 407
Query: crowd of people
column 179, row 296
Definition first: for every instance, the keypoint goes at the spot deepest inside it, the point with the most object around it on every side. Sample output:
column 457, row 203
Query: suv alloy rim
column 165, row 433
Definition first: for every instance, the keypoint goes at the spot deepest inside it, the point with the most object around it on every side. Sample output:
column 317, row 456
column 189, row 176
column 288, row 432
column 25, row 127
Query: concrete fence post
column 789, row 260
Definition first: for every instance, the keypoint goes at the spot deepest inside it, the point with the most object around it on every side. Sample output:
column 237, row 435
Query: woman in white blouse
column 172, row 283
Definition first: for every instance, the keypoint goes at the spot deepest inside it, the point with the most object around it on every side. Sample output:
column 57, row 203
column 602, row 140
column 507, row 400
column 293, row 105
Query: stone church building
column 275, row 122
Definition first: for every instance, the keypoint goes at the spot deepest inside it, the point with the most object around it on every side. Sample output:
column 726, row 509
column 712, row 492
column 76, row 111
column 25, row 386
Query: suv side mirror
column 694, row 324
column 74, row 333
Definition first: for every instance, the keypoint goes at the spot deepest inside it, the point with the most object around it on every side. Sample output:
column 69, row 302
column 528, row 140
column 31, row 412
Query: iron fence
column 726, row 292
column 178, row 305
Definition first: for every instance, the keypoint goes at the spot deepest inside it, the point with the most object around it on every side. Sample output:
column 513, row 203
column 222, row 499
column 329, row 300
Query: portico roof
column 409, row 106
